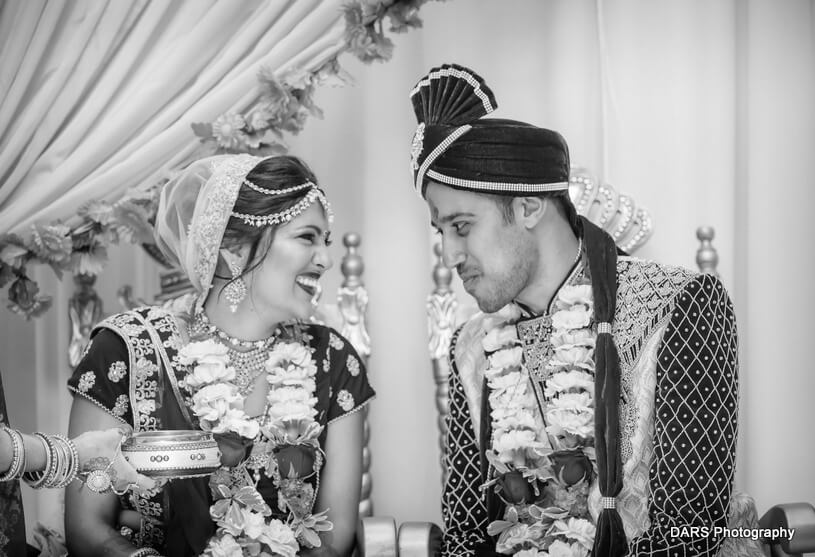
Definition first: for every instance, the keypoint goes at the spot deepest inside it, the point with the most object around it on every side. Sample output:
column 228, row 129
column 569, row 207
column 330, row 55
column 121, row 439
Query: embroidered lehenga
column 675, row 332
column 132, row 371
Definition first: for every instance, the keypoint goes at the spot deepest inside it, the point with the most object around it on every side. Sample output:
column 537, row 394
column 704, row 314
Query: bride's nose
column 322, row 258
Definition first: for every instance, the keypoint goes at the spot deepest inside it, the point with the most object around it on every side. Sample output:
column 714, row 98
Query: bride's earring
column 235, row 291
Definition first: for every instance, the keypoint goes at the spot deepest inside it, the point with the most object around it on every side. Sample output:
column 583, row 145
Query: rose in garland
column 296, row 461
column 571, row 467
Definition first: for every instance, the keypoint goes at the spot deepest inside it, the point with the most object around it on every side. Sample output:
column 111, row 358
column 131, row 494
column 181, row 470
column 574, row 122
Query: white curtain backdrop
column 702, row 111
column 98, row 96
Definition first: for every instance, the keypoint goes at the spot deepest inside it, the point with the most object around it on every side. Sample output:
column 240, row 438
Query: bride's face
column 283, row 285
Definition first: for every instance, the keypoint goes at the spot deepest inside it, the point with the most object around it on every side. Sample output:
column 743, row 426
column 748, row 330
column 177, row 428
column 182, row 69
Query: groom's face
column 493, row 257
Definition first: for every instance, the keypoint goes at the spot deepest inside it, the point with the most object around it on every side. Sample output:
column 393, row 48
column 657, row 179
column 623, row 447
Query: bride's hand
column 102, row 465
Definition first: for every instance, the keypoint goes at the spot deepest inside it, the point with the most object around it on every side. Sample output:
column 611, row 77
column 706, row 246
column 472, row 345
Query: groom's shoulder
column 467, row 340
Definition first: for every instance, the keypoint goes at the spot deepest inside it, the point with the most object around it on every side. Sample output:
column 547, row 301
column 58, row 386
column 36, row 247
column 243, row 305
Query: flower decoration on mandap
column 285, row 448
column 543, row 474
column 364, row 31
column 283, row 102
column 80, row 250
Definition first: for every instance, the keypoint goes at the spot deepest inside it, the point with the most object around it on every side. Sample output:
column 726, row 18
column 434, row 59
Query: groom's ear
column 529, row 211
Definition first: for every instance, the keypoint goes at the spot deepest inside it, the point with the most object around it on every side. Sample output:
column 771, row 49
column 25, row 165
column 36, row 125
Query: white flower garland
column 241, row 514
column 546, row 513
column 216, row 400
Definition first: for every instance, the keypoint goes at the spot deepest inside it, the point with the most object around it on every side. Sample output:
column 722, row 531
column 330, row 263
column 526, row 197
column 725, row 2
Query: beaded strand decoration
column 295, row 210
column 283, row 191
column 203, row 323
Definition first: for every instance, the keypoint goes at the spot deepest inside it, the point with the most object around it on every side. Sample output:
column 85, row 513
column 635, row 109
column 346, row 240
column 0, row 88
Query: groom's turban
column 454, row 145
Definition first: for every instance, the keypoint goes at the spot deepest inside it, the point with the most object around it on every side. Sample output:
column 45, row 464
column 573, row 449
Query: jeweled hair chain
column 284, row 191
column 285, row 216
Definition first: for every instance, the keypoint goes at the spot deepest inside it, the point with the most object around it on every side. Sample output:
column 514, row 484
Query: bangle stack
column 68, row 461
column 61, row 461
column 37, row 478
column 15, row 471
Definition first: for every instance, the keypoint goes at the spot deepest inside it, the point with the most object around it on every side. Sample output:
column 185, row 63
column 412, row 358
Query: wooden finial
column 442, row 275
column 706, row 257
column 352, row 266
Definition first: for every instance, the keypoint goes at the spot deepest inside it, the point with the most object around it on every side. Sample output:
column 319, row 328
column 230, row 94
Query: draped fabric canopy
column 98, row 97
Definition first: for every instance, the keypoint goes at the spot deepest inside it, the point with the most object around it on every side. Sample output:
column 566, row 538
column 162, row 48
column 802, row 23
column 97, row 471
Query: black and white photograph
column 407, row 278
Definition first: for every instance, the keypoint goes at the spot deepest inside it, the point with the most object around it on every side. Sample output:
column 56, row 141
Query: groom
column 593, row 403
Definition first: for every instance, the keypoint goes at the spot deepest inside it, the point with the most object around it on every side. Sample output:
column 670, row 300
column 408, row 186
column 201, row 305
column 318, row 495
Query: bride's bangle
column 37, row 478
column 17, row 467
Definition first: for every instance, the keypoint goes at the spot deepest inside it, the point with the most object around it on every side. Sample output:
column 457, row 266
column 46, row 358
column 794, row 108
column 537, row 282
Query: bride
column 240, row 359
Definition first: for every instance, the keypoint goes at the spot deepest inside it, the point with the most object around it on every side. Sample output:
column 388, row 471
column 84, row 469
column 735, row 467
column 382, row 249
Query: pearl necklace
column 203, row 322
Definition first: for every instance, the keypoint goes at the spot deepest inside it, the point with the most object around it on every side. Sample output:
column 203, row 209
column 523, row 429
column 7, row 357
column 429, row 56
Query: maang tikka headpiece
column 282, row 217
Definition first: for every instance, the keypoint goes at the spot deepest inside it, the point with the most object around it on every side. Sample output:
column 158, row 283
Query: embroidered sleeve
column 350, row 389
column 695, row 411
column 463, row 509
column 102, row 375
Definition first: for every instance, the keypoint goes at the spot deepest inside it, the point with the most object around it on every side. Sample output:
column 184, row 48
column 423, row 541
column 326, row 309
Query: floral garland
column 543, row 475
column 285, row 447
column 286, row 100
column 283, row 105
column 81, row 250
column 364, row 35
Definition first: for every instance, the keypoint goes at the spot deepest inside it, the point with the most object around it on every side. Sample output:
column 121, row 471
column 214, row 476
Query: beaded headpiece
column 282, row 191
column 315, row 194
column 456, row 146
column 196, row 205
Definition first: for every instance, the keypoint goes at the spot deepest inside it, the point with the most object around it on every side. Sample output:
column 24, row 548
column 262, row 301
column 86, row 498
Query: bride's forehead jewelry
column 283, row 217
column 284, row 191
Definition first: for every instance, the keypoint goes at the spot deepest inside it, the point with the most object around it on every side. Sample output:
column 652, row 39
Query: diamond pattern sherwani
column 676, row 334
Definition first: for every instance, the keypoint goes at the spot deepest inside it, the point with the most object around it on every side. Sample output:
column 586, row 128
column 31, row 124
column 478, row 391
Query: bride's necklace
column 248, row 367
column 210, row 328
column 249, row 362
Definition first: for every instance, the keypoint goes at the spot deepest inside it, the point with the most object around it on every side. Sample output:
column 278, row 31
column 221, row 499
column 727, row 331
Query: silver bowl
column 173, row 454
